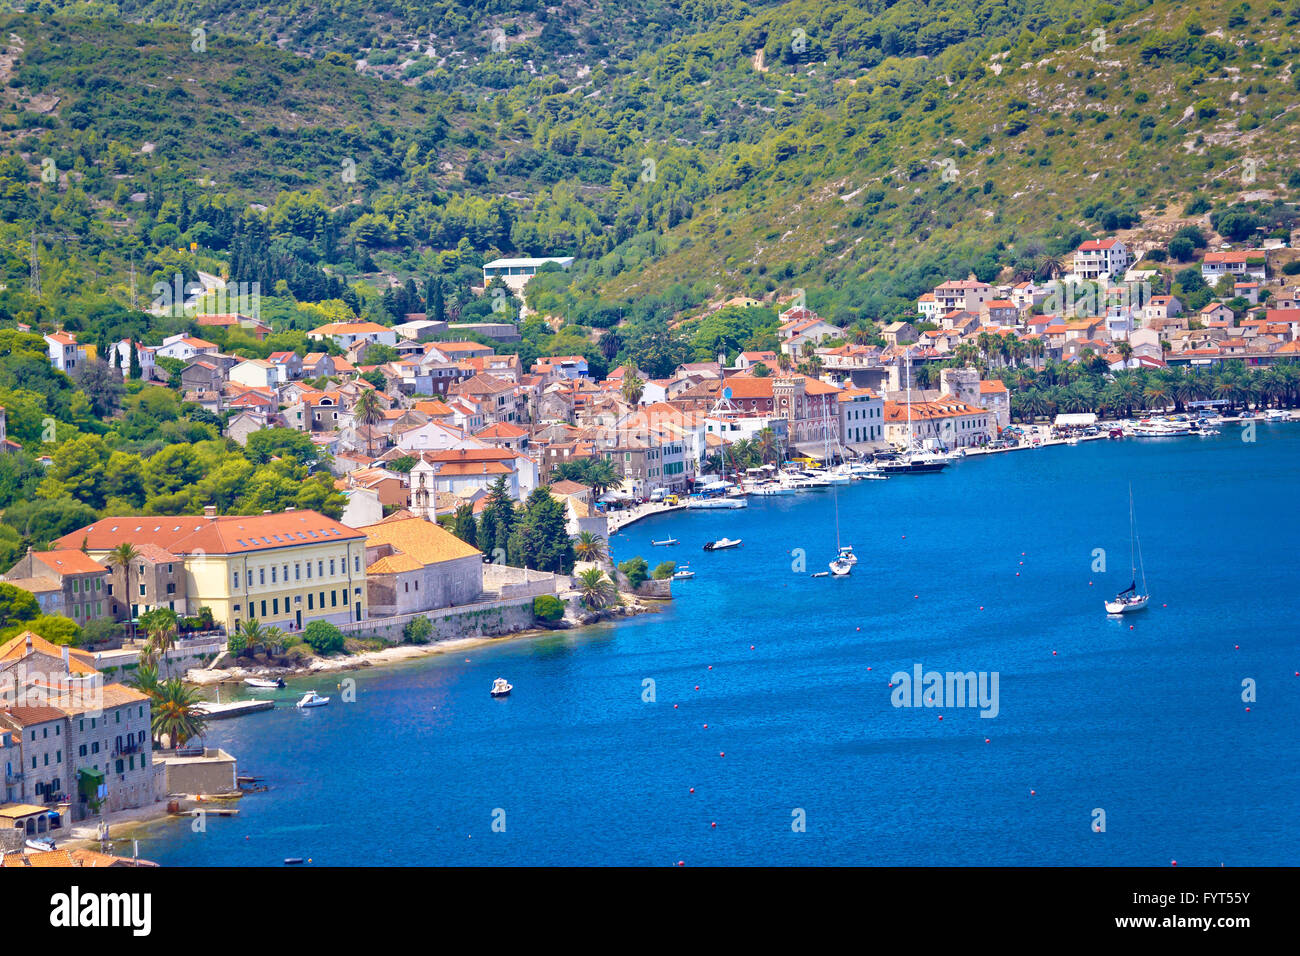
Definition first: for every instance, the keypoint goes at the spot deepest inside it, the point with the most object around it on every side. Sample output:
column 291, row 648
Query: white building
column 258, row 373
column 515, row 273
column 862, row 417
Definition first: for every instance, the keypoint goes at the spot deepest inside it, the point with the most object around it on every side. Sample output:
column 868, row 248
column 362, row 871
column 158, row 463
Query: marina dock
column 237, row 708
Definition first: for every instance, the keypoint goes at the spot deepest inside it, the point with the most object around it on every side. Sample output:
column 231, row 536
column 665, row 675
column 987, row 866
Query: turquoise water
column 1148, row 724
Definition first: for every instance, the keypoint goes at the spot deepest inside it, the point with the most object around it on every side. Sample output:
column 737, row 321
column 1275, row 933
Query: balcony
column 14, row 778
column 126, row 749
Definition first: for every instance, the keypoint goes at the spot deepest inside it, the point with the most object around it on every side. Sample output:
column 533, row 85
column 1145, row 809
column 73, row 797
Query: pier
column 236, row 708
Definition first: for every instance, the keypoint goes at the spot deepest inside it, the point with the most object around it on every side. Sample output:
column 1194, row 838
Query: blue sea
column 993, row 566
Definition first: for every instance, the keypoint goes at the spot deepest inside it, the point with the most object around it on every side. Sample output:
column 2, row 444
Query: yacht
column 501, row 687
column 1130, row 599
column 709, row 504
column 683, row 573
column 722, row 544
column 311, row 699
column 666, row 541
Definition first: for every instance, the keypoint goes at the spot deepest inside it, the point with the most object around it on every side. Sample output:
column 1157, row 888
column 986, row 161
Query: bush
column 664, row 571
column 636, row 570
column 417, row 630
column 298, row 654
column 1292, row 268
column 548, row 607
column 323, row 637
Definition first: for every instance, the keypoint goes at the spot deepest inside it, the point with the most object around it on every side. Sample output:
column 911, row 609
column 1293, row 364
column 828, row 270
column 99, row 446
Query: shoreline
column 402, row 653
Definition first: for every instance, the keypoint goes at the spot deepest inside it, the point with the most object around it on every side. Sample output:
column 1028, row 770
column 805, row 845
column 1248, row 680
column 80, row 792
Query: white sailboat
column 842, row 566
column 1130, row 599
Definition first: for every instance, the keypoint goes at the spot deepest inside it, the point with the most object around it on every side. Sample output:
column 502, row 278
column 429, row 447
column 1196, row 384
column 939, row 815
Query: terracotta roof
column 15, row 649
column 231, row 534
column 416, row 543
column 68, row 561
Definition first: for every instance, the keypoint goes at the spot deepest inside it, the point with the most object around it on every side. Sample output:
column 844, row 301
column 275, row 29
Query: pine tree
column 136, row 371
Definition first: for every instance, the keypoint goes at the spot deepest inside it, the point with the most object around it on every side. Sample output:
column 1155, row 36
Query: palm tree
column 1050, row 265
column 590, row 547
column 1036, row 347
column 175, row 713
column 1125, row 351
column 161, row 624
column 253, row 634
column 596, row 589
column 145, row 679
column 274, row 641
column 122, row 557
column 767, row 449
column 368, row 412
column 633, row 387
column 601, row 475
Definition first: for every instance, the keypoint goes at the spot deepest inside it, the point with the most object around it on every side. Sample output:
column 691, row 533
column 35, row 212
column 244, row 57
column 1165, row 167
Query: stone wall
column 486, row 619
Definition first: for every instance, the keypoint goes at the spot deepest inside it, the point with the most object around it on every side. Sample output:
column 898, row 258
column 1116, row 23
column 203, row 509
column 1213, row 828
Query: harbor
column 1131, row 714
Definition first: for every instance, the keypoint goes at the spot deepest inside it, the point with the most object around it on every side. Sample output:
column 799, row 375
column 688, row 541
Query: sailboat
column 842, row 566
column 1130, row 599
column 912, row 461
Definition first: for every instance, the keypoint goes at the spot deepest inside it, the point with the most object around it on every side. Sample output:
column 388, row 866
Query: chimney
column 29, row 642
column 209, row 511
column 66, row 666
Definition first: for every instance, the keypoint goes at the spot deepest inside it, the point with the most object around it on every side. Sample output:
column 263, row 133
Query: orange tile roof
column 230, row 534
column 414, row 540
column 68, row 561
column 15, row 649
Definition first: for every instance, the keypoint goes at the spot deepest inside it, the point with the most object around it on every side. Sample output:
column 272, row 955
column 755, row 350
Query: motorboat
column 722, row 544
column 918, row 463
column 770, row 488
column 42, row 845
column 709, row 504
column 1130, row 599
column 683, row 574
column 501, row 687
column 311, row 699
column 821, row 476
column 666, row 541
column 263, row 683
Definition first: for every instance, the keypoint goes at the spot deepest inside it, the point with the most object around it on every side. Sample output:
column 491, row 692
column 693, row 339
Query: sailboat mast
column 1132, row 535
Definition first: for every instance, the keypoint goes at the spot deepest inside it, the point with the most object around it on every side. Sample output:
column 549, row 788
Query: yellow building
column 286, row 569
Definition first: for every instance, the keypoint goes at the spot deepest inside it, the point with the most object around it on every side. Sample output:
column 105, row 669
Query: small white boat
column 262, row 683
column 1072, row 440
column 43, row 846
column 685, row 574
column 716, row 503
column 311, row 699
column 840, row 568
column 1131, row 599
column 501, row 687
column 846, row 554
column 722, row 544
column 666, row 541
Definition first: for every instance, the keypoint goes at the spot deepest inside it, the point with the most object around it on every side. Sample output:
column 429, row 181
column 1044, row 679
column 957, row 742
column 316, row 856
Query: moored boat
column 501, row 687
column 1130, row 599
column 311, row 699
column 722, row 544
column 666, row 541
column 263, row 683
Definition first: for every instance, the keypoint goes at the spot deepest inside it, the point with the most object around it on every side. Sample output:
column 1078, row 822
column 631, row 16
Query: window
column 309, row 599
column 356, row 564
column 308, row 570
column 275, row 605
column 297, row 572
column 272, row 574
column 141, row 590
column 334, row 599
column 331, row 567
column 261, row 575
column 263, row 609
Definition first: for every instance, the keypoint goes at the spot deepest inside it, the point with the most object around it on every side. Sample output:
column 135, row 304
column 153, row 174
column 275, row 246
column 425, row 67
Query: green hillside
column 859, row 151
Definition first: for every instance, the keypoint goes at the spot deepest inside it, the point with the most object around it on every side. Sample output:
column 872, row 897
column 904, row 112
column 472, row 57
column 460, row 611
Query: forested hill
column 858, row 150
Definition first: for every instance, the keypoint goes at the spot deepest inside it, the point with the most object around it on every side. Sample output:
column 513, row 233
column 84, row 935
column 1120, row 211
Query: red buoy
column 723, row 754
column 710, row 667
column 713, row 825
column 941, row 716
column 692, row 789
column 986, row 740
column 706, row 726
